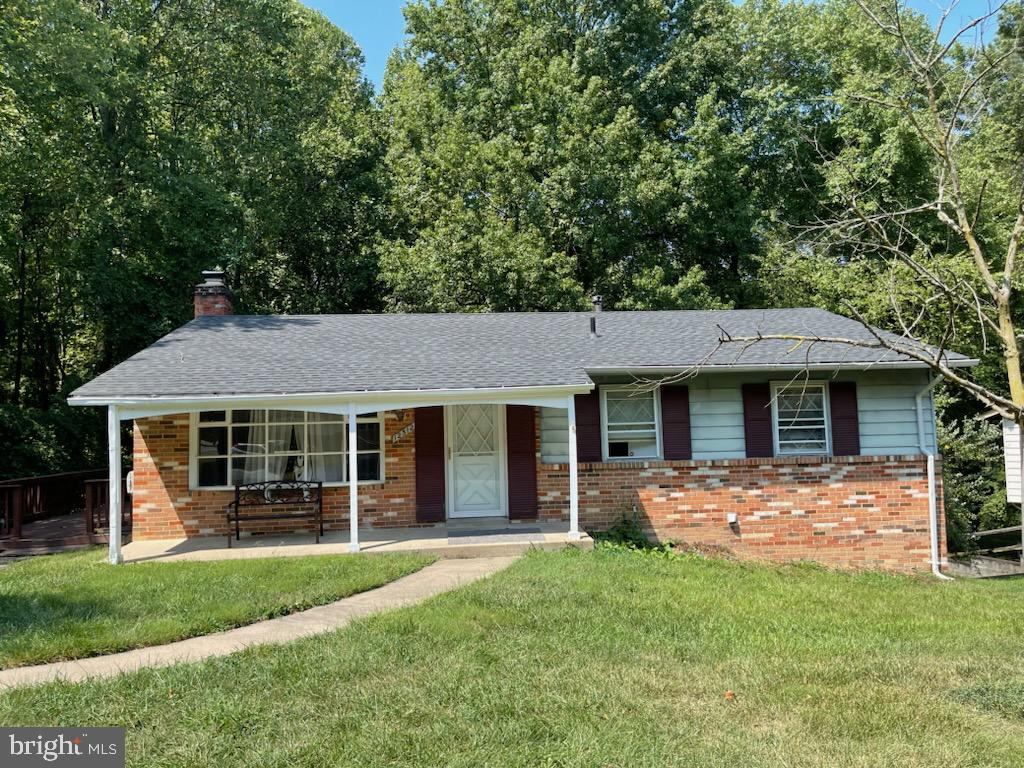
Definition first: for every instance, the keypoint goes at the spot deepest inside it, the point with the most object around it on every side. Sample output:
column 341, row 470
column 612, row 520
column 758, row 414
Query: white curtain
column 325, row 441
column 248, row 451
column 285, row 444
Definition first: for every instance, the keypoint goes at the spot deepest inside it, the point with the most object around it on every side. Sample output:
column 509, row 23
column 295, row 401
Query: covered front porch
column 482, row 537
column 466, row 514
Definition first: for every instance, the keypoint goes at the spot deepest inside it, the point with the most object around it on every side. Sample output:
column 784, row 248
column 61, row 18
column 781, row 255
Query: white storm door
column 476, row 439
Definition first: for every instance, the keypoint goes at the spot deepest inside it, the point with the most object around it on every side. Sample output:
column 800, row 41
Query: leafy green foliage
column 974, row 481
column 38, row 444
column 142, row 142
column 539, row 152
column 625, row 531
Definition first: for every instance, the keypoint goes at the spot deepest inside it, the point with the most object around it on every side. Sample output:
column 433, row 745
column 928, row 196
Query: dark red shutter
column 842, row 398
column 757, row 420
column 675, row 421
column 588, row 427
column 521, row 442
column 430, row 467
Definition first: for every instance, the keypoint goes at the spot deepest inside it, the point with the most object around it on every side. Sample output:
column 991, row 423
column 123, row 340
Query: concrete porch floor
column 472, row 537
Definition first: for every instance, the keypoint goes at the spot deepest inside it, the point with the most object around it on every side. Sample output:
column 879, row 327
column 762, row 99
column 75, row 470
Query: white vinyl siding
column 716, row 420
column 1011, row 455
column 888, row 417
column 886, row 409
column 885, row 402
column 554, row 435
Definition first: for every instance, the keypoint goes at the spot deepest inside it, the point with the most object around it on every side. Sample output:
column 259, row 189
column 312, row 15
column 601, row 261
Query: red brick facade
column 164, row 507
column 853, row 511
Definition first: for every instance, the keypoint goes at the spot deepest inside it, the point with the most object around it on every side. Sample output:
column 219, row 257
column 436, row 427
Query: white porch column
column 114, row 493
column 574, row 484
column 353, row 482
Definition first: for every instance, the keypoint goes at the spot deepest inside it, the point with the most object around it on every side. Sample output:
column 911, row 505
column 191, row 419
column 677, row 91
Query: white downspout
column 933, row 502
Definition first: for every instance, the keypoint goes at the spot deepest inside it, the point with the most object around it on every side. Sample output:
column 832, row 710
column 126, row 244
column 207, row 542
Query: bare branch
column 936, row 360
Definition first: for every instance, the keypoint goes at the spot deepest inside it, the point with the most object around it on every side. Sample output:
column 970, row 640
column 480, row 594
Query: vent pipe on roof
column 598, row 302
column 212, row 296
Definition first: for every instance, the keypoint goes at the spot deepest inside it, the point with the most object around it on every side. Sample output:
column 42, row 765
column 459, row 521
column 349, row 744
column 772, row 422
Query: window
column 250, row 446
column 800, row 418
column 631, row 423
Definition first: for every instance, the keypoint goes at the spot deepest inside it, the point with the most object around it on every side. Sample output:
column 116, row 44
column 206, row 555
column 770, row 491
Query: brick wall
column 862, row 511
column 852, row 511
column 165, row 508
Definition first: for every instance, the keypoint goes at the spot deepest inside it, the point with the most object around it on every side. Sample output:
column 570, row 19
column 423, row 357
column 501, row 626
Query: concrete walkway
column 432, row 580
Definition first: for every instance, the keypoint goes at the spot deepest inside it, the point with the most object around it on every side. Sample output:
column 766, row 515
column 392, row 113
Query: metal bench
column 303, row 499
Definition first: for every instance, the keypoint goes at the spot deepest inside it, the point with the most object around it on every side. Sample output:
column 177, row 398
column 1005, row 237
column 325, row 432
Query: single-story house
column 820, row 452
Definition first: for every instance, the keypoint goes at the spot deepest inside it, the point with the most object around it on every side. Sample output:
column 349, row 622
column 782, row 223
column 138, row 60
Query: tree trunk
column 40, row 349
column 1011, row 354
column 19, row 349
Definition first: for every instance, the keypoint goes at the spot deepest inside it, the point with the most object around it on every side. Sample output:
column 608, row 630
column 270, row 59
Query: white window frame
column 654, row 393
column 782, row 386
column 193, row 447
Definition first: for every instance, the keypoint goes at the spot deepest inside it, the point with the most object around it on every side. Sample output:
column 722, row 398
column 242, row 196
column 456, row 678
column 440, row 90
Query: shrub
column 974, row 481
column 626, row 530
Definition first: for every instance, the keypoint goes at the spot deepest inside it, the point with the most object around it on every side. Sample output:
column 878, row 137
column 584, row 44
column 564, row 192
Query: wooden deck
column 55, row 534
column 55, row 513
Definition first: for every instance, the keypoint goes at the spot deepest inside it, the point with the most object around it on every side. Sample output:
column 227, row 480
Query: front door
column 476, row 466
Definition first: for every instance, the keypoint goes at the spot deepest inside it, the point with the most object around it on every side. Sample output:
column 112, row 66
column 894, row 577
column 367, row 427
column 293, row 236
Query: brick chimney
column 212, row 296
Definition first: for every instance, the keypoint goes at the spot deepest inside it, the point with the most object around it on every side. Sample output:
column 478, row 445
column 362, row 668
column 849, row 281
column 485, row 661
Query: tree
column 949, row 246
column 542, row 151
column 141, row 142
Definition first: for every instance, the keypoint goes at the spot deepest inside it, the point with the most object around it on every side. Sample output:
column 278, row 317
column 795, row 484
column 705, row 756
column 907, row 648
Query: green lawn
column 75, row 605
column 602, row 659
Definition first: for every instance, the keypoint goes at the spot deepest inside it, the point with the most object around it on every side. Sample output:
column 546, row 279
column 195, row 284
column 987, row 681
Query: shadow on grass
column 44, row 613
column 1004, row 698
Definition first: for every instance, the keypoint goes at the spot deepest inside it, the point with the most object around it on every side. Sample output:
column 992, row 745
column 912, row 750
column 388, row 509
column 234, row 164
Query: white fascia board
column 761, row 367
column 337, row 402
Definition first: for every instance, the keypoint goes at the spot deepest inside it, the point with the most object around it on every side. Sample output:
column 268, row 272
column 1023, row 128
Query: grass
column 75, row 605
column 1006, row 697
column 607, row 658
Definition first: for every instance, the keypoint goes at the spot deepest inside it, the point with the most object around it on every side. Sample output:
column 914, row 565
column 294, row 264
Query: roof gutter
column 135, row 406
column 759, row 367
column 362, row 394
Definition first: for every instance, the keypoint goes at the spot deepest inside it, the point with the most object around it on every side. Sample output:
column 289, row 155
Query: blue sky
column 378, row 25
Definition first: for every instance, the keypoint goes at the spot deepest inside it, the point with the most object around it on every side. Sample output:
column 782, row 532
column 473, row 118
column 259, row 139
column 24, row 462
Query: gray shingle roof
column 304, row 354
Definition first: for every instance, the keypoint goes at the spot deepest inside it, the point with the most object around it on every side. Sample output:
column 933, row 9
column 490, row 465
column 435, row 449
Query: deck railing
column 28, row 499
column 97, row 506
